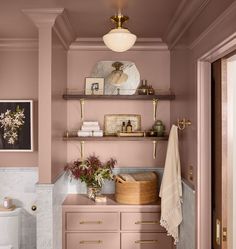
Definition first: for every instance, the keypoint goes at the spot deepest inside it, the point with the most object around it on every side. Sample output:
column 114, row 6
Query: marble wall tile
column 19, row 184
column 75, row 186
column 188, row 228
column 49, row 214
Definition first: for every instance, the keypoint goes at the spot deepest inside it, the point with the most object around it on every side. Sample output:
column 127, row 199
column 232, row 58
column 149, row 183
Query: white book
column 90, row 128
column 91, row 123
column 90, row 133
column 84, row 133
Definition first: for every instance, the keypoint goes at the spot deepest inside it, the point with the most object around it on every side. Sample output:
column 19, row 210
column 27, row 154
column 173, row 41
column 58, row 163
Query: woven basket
column 138, row 192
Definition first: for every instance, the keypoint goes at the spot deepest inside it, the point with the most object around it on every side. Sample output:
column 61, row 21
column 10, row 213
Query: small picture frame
column 16, row 125
column 94, row 86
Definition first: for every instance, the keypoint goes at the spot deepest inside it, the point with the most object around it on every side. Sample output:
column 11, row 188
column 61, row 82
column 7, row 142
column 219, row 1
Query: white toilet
column 10, row 229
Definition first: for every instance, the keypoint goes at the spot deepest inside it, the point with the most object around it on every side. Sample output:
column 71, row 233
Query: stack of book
column 90, row 129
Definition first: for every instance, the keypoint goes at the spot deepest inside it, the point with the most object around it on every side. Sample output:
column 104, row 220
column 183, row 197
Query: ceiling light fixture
column 119, row 39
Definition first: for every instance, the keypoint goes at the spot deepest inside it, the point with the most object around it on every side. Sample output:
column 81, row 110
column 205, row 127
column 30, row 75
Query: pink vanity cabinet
column 87, row 225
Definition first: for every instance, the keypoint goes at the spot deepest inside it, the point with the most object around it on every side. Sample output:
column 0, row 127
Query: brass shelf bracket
column 155, row 102
column 154, row 154
column 82, row 101
column 82, row 143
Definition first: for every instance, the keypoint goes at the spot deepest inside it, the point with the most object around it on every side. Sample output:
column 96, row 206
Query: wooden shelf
column 164, row 96
column 113, row 138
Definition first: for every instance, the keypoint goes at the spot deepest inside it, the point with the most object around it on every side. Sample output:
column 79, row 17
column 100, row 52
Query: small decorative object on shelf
column 129, row 127
column 113, row 123
column 93, row 172
column 151, row 91
column 143, row 89
column 90, row 129
column 159, row 128
column 123, row 127
column 131, row 134
column 94, row 86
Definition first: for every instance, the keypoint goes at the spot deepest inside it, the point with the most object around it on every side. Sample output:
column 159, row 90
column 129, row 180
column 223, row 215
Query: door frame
column 204, row 143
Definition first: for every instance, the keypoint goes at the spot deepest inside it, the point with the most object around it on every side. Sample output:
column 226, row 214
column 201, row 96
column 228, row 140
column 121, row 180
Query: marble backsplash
column 75, row 186
column 19, row 184
column 188, row 227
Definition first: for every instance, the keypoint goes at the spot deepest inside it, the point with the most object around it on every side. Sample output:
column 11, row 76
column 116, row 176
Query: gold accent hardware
column 218, row 225
column 90, row 242
column 82, row 108
column 146, row 222
column 146, row 241
column 119, row 19
column 154, row 149
column 155, row 102
column 82, row 149
column 90, row 222
column 34, row 208
column 190, row 173
column 224, row 238
column 183, row 123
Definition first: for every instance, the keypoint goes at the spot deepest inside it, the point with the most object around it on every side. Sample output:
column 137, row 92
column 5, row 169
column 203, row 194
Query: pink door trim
column 204, row 139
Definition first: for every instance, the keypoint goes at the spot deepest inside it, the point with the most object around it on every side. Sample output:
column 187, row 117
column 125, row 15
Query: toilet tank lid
column 15, row 212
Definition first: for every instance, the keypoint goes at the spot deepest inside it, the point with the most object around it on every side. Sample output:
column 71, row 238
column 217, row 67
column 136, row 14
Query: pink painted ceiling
column 89, row 18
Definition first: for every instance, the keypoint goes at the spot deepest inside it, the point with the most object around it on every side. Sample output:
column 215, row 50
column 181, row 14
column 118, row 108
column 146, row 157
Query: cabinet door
column 146, row 241
column 92, row 221
column 141, row 222
column 93, row 241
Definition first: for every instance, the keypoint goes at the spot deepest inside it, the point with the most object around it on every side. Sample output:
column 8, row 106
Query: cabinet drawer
column 146, row 241
column 92, row 221
column 93, row 240
column 141, row 222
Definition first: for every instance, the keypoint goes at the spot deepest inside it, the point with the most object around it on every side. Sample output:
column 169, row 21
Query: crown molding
column 18, row 44
column 54, row 18
column 64, row 30
column 184, row 16
column 43, row 17
column 97, row 44
column 228, row 13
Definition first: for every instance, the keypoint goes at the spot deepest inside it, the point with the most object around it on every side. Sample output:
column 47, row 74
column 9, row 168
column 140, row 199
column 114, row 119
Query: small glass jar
column 93, row 191
column 159, row 128
column 143, row 88
column 7, row 202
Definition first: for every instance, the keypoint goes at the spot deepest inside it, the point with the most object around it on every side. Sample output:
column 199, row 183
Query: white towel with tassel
column 171, row 188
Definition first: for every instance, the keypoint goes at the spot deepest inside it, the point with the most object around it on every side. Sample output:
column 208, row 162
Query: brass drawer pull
column 90, row 242
column 146, row 222
column 90, row 222
column 146, row 241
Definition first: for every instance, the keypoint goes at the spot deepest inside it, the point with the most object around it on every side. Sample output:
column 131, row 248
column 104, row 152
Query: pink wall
column 184, row 74
column 19, row 80
column 153, row 66
column 59, row 112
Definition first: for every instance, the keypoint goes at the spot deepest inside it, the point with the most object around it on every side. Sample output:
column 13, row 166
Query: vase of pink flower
column 93, row 172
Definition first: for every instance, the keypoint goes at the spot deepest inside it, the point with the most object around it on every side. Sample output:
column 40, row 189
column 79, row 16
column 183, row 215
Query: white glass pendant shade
column 119, row 40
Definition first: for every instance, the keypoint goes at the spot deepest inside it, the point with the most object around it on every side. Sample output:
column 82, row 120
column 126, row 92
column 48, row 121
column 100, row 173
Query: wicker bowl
column 138, row 192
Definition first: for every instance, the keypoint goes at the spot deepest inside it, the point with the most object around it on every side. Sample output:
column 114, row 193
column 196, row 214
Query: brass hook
column 183, row 123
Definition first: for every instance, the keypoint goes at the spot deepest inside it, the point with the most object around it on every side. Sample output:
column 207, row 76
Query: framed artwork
column 94, row 86
column 113, row 123
column 16, row 125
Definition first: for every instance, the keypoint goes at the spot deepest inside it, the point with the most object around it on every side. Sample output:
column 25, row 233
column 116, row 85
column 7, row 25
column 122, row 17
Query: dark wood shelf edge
column 107, row 138
column 118, row 97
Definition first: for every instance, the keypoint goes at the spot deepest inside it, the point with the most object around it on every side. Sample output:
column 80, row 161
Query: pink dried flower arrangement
column 91, row 171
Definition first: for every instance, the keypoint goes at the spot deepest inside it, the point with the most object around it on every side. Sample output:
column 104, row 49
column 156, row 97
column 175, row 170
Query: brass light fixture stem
column 119, row 19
